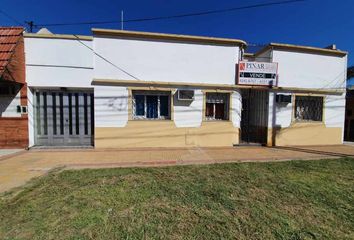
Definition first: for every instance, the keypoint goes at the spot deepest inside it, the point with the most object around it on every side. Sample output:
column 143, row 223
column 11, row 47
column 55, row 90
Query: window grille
column 308, row 108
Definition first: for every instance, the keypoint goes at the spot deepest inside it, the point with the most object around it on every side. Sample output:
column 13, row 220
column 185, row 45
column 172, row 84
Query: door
column 254, row 116
column 64, row 118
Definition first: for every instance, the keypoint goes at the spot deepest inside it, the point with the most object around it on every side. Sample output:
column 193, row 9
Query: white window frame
column 226, row 108
column 146, row 93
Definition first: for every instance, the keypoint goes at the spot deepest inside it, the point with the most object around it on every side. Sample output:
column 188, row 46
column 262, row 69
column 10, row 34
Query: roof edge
column 58, row 36
column 165, row 36
column 300, row 48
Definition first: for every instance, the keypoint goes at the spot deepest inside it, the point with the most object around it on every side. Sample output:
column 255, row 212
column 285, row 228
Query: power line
column 11, row 17
column 105, row 59
column 175, row 16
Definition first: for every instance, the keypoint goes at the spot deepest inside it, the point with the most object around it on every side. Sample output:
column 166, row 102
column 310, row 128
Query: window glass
column 164, row 106
column 217, row 106
column 139, row 105
column 219, row 111
column 151, row 107
column 308, row 108
column 209, row 110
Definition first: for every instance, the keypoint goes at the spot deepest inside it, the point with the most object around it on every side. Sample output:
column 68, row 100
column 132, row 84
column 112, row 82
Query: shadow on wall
column 177, row 102
column 9, row 98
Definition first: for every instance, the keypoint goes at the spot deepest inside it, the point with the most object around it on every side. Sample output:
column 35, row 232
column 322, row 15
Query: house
column 138, row 89
column 13, row 89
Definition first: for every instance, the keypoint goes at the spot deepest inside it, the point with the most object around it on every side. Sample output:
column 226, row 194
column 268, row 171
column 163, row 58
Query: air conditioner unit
column 282, row 98
column 185, row 95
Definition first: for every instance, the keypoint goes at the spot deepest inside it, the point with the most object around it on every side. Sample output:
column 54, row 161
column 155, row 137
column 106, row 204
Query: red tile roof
column 9, row 36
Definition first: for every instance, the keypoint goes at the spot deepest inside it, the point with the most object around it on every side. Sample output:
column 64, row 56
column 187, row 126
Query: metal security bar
column 254, row 118
column 308, row 108
column 63, row 118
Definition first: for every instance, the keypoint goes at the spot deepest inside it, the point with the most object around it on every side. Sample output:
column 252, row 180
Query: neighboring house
column 13, row 89
column 349, row 116
column 138, row 89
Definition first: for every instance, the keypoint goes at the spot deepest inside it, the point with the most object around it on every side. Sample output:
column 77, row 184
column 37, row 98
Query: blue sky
column 313, row 22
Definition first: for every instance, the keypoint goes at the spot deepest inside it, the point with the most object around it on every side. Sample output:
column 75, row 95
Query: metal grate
column 308, row 108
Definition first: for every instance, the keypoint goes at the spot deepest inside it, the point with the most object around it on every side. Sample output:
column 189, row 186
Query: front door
column 63, row 118
column 254, row 116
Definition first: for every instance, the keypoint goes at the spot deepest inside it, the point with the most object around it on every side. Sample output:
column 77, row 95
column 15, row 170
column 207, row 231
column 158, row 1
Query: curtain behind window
column 139, row 105
column 151, row 107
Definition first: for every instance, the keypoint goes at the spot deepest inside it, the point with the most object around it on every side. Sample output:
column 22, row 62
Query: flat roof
column 165, row 36
column 299, row 48
column 58, row 36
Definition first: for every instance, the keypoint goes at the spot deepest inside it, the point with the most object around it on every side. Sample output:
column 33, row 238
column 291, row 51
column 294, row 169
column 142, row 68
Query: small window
column 308, row 108
column 151, row 105
column 217, row 106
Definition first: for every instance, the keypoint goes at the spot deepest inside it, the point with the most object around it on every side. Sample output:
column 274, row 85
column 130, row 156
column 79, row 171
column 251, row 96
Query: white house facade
column 122, row 89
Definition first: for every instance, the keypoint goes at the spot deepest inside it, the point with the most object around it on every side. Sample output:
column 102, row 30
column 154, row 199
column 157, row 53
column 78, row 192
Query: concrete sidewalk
column 17, row 169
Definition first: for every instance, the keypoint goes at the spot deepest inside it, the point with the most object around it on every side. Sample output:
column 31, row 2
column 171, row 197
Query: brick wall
column 14, row 130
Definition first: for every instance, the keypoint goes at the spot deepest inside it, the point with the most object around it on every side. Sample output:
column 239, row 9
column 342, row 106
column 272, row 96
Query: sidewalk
column 15, row 170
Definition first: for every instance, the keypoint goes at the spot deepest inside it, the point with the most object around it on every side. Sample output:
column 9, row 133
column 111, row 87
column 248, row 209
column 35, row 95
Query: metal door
column 63, row 118
column 254, row 118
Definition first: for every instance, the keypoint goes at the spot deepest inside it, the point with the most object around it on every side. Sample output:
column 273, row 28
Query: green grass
column 287, row 200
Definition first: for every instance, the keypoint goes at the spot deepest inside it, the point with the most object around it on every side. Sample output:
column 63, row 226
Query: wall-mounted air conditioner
column 185, row 95
column 283, row 98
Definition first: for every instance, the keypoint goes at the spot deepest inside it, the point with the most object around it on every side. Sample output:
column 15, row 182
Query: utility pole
column 31, row 25
column 122, row 20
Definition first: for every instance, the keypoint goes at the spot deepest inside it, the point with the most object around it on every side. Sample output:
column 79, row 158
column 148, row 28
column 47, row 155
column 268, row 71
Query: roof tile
column 9, row 36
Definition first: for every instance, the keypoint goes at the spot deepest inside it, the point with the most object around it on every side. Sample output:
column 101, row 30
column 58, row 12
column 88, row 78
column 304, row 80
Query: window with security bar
column 217, row 106
column 308, row 108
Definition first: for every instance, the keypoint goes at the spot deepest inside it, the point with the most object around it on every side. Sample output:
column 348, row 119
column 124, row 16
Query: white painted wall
column 8, row 105
column 189, row 113
column 52, row 63
column 111, row 106
column 154, row 60
column 309, row 70
column 236, row 108
column 334, row 111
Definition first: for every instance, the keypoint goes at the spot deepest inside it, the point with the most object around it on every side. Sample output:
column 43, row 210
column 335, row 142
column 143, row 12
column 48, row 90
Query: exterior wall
column 165, row 61
column 58, row 62
column 309, row 70
column 8, row 105
column 53, row 63
column 13, row 125
column 153, row 60
column 283, row 130
column 114, row 127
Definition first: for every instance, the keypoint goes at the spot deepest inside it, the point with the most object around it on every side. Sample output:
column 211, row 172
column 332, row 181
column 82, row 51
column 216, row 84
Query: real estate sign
column 257, row 73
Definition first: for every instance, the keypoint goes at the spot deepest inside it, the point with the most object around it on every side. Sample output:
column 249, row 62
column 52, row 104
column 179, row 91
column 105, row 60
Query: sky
column 317, row 23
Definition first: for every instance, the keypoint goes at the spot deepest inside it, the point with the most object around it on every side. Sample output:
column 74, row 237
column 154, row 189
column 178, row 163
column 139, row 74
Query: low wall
column 166, row 134
column 13, row 132
column 302, row 134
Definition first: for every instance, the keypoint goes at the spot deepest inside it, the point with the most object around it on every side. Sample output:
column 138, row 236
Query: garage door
column 63, row 118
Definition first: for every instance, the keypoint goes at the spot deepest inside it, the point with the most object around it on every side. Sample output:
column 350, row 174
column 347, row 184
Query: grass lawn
column 286, row 200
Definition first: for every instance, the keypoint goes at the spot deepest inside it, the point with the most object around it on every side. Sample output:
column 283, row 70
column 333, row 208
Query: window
column 151, row 105
column 308, row 108
column 217, row 106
